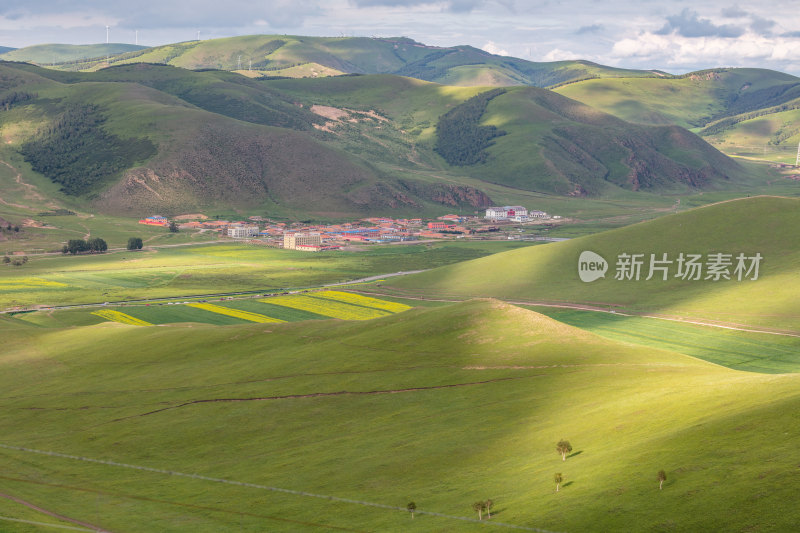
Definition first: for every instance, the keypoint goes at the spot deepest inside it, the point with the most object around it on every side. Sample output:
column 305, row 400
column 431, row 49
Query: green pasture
column 549, row 274
column 442, row 406
column 740, row 350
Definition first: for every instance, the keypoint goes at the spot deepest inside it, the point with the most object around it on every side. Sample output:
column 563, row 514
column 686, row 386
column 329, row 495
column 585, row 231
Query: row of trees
column 80, row 246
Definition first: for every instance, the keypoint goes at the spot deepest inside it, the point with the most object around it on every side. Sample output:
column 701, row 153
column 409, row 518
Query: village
column 503, row 222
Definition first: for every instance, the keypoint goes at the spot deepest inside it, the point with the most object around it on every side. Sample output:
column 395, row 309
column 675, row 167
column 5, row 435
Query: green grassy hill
column 745, row 112
column 161, row 138
column 66, row 54
column 299, row 56
column 442, row 407
column 552, row 144
column 206, row 157
column 550, row 273
column 691, row 100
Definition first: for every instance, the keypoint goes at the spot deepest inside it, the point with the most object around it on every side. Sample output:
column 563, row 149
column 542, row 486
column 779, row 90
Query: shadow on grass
column 567, row 484
column 497, row 511
column 574, row 454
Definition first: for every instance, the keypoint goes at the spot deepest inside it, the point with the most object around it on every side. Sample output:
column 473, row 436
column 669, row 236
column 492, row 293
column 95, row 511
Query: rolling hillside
column 161, row 138
column 65, row 54
column 549, row 274
column 749, row 112
column 203, row 158
column 551, row 144
column 443, row 406
column 299, row 56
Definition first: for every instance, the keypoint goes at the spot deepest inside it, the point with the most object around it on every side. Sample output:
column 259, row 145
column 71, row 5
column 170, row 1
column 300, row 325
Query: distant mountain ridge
column 299, row 56
column 61, row 54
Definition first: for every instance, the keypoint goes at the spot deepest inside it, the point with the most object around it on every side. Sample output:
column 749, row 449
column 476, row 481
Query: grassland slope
column 221, row 140
column 691, row 100
column 751, row 226
column 552, row 144
column 745, row 112
column 442, row 406
column 218, row 138
column 62, row 54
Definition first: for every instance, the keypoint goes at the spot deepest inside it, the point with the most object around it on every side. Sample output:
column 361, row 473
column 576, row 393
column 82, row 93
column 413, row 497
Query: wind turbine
column 797, row 160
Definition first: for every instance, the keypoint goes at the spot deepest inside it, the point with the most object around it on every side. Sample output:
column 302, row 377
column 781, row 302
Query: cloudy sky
column 672, row 35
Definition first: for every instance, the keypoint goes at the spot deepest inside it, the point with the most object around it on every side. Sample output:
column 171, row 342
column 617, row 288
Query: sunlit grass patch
column 236, row 313
column 116, row 316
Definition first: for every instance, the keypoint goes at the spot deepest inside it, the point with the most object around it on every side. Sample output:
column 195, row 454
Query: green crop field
column 740, row 350
column 442, row 406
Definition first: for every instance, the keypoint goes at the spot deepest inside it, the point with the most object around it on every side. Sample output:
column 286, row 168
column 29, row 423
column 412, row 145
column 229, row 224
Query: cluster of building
column 317, row 237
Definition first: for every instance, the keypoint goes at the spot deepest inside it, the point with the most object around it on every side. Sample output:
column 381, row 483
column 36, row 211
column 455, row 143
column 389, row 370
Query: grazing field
column 442, row 406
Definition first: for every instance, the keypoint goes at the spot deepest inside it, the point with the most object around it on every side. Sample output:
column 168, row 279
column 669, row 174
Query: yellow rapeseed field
column 324, row 307
column 236, row 313
column 366, row 301
column 116, row 316
column 32, row 283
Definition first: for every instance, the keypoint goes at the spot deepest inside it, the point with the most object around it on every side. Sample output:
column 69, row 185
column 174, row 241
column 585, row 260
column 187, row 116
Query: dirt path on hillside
column 30, row 190
column 54, row 515
column 18, row 179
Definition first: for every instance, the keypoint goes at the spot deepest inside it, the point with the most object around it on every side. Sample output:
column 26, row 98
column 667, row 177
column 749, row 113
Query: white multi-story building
column 508, row 212
column 242, row 232
column 301, row 241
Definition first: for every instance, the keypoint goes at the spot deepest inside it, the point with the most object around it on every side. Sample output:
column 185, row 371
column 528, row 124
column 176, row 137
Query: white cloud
column 557, row 54
column 676, row 50
column 493, row 48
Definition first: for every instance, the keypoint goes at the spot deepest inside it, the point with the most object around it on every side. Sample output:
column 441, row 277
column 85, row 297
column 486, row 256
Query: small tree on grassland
column 479, row 507
column 135, row 243
column 173, row 227
column 662, row 477
column 411, row 508
column 563, row 447
column 489, row 504
column 558, row 478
